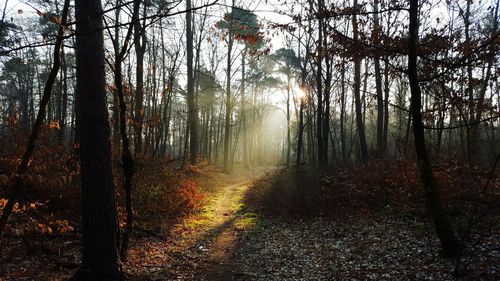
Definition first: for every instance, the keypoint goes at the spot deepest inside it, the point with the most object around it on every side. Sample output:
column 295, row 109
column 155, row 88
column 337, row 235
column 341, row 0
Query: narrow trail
column 200, row 247
column 226, row 212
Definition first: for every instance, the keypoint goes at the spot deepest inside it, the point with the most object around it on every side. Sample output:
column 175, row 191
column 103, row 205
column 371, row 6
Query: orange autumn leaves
column 30, row 224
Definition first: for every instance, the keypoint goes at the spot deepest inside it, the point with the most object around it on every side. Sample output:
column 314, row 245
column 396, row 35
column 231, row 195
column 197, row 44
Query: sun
column 300, row 94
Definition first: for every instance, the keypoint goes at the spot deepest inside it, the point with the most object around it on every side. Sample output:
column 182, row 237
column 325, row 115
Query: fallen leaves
column 363, row 249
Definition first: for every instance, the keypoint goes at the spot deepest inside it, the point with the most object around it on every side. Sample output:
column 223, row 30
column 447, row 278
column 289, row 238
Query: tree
column 227, row 23
column 126, row 154
column 240, row 25
column 356, row 89
column 480, row 107
column 100, row 221
column 140, row 43
column 249, row 35
column 19, row 76
column 378, row 84
column 449, row 243
column 290, row 67
column 22, row 168
column 192, row 110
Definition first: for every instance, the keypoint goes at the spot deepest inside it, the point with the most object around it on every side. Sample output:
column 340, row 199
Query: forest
column 249, row 140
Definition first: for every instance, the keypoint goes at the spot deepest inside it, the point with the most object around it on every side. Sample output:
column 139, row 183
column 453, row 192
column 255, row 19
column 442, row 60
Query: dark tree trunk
column 342, row 113
column 140, row 41
column 244, row 140
column 378, row 85
column 64, row 101
column 449, row 243
column 288, row 136
column 192, row 111
column 386, row 103
column 300, row 138
column 357, row 99
column 319, row 107
column 326, row 94
column 300, row 131
column 126, row 154
column 227, row 120
column 100, row 221
column 22, row 168
column 480, row 107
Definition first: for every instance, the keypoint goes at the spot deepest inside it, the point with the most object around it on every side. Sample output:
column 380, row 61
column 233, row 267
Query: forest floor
column 230, row 239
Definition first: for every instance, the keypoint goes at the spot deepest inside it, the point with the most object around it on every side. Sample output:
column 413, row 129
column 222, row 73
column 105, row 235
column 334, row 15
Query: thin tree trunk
column 126, row 154
column 30, row 146
column 140, row 42
column 378, row 84
column 244, row 140
column 476, row 126
column 227, row 123
column 356, row 88
column 449, row 243
column 386, row 104
column 192, row 110
column 342, row 113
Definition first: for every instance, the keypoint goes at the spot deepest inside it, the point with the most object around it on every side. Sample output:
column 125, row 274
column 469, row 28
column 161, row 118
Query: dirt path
column 226, row 214
column 200, row 247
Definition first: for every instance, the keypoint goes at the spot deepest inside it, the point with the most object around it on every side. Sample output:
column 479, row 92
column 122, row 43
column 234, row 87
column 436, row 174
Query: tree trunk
column 192, row 111
column 288, row 136
column 326, row 93
column 227, row 123
column 30, row 146
column 319, row 106
column 449, row 243
column 476, row 126
column 378, row 84
column 244, row 141
column 100, row 221
column 356, row 88
column 342, row 113
column 62, row 120
column 126, row 155
column 386, row 104
column 140, row 40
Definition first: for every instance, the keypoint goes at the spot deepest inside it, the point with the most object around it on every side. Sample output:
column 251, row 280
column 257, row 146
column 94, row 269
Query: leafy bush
column 165, row 193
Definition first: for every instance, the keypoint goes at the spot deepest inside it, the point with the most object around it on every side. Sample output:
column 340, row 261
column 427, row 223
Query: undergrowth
column 379, row 188
column 50, row 196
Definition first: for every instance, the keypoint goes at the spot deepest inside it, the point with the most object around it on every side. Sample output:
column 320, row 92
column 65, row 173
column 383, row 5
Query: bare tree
column 449, row 242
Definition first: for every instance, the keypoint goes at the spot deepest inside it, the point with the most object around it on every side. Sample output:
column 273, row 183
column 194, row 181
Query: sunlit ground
column 202, row 244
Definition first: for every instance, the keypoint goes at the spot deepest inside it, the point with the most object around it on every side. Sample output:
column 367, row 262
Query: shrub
column 165, row 193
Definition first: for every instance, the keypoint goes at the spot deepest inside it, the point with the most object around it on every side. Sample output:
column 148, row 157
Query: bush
column 165, row 193
column 287, row 193
column 380, row 187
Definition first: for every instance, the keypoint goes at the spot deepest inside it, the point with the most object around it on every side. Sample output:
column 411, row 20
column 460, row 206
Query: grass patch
column 246, row 221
